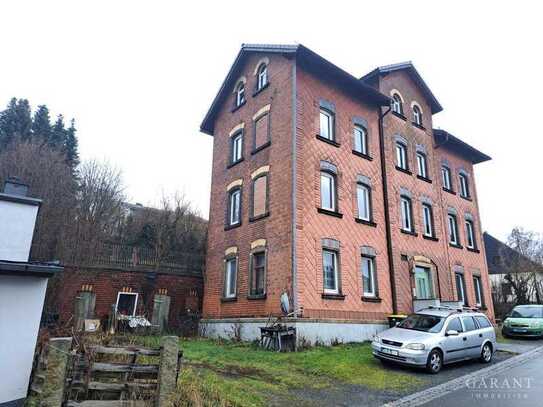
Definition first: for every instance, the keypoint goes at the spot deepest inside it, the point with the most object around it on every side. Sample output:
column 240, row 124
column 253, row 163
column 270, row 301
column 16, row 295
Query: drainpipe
column 387, row 210
column 294, row 174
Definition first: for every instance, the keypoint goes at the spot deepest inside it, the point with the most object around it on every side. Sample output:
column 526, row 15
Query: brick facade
column 295, row 149
column 185, row 292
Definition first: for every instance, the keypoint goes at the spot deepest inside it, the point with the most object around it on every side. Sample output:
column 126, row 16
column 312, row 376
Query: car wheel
column 435, row 362
column 486, row 353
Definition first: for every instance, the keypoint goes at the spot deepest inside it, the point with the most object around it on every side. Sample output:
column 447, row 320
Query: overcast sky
column 138, row 78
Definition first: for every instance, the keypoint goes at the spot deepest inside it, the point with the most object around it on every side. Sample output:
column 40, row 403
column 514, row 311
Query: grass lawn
column 240, row 374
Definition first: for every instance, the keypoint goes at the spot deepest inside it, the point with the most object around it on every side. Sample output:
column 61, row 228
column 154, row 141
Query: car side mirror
column 452, row 332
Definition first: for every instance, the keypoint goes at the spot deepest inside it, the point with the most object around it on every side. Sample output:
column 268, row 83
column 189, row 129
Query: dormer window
column 262, row 77
column 240, row 94
column 397, row 104
column 417, row 115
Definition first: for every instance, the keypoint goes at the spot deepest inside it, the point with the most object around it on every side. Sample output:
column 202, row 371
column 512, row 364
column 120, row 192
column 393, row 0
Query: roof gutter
column 387, row 210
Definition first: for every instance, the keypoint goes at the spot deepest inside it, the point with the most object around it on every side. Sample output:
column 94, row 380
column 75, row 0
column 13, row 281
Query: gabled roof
column 447, row 140
column 307, row 59
column 502, row 259
column 408, row 66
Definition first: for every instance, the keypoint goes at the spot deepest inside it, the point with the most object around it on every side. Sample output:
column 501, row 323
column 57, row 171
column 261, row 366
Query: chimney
column 18, row 214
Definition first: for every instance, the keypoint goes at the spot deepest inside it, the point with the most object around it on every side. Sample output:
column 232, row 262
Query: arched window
column 397, row 104
column 417, row 115
column 262, row 76
column 240, row 94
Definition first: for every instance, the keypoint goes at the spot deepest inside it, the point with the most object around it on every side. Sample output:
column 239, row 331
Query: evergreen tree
column 24, row 120
column 70, row 146
column 15, row 122
column 58, row 133
column 41, row 125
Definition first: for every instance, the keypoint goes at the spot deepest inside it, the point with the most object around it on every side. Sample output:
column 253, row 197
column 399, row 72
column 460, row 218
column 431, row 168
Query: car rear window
column 469, row 323
column 483, row 322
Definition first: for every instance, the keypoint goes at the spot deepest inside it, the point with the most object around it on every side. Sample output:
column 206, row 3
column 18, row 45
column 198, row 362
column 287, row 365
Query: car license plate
column 520, row 331
column 389, row 351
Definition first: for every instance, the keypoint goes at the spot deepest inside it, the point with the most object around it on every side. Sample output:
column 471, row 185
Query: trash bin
column 394, row 320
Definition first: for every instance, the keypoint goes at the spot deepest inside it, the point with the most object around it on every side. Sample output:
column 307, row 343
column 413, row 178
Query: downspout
column 294, row 264
column 387, row 210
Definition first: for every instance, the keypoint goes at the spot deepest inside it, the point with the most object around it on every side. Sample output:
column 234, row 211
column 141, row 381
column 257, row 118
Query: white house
column 22, row 291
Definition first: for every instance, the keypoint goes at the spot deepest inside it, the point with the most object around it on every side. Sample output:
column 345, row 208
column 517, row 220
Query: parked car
column 524, row 320
column 436, row 336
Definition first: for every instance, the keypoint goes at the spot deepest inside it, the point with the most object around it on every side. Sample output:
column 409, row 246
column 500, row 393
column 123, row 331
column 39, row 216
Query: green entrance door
column 423, row 283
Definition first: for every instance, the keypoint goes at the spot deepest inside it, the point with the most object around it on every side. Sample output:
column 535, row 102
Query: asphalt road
column 520, row 386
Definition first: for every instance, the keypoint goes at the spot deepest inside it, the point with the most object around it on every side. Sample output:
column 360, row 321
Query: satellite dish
column 285, row 303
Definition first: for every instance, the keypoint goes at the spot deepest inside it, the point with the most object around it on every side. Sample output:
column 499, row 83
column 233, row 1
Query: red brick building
column 338, row 192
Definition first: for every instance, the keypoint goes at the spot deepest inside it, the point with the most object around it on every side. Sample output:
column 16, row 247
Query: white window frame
column 125, row 293
column 240, row 94
column 417, row 115
column 478, row 290
column 231, row 207
column 327, row 115
column 397, row 104
column 461, row 293
column 407, row 218
column 446, row 177
column 422, row 165
column 453, row 228
column 370, row 261
column 470, row 234
column 335, row 265
column 464, row 188
column 361, row 138
column 237, row 147
column 228, row 292
column 363, row 195
column 427, row 219
column 332, row 180
column 401, row 155
column 262, row 76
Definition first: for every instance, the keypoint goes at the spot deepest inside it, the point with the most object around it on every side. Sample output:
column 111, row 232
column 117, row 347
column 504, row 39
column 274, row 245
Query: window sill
column 450, row 191
column 330, row 296
column 418, row 126
column 256, row 92
column 365, row 222
column 234, row 163
column 328, row 141
column 371, row 299
column 409, row 232
column 255, row 218
column 428, row 180
column 404, row 170
column 229, row 299
column 359, row 154
column 260, row 148
column 238, row 107
column 432, row 238
column 473, row 249
column 456, row 245
column 256, row 297
column 229, row 227
column 331, row 213
column 399, row 115
column 467, row 198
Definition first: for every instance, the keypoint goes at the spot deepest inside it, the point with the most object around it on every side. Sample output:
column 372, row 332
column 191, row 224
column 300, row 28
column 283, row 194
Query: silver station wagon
column 436, row 336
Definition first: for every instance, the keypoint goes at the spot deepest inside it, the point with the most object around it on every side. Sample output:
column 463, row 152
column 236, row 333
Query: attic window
column 417, row 115
column 240, row 94
column 397, row 104
column 262, row 77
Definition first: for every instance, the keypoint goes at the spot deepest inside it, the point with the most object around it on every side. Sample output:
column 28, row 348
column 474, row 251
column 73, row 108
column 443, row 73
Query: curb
column 424, row 396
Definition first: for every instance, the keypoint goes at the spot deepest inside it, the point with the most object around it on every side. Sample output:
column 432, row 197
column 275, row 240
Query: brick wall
column 276, row 227
column 185, row 292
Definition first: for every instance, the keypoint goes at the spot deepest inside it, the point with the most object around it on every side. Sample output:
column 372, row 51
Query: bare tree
column 50, row 179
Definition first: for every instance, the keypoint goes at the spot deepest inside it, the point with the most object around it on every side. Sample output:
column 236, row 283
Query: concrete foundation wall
column 312, row 331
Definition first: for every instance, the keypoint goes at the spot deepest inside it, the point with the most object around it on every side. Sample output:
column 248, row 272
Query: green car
column 524, row 320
